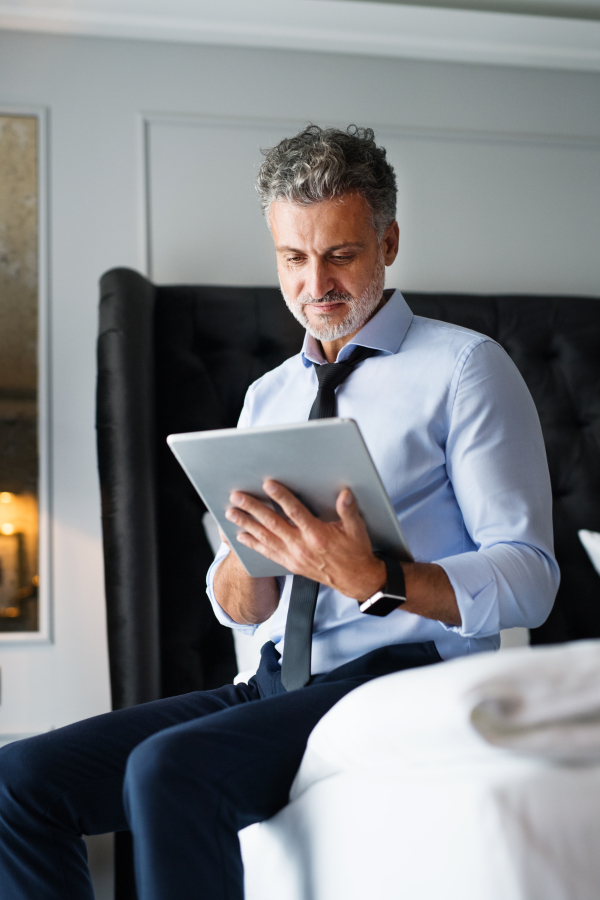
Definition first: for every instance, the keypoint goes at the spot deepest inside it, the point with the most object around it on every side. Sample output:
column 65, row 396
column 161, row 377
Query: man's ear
column 389, row 243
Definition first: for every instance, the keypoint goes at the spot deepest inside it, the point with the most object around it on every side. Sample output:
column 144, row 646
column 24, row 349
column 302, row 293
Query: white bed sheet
column 511, row 829
column 401, row 795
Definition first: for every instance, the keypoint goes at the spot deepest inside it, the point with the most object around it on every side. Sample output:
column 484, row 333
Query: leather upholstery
column 126, row 427
column 181, row 358
column 170, row 359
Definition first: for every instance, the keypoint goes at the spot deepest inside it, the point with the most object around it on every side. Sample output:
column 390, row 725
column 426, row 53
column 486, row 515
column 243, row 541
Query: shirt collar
column 385, row 332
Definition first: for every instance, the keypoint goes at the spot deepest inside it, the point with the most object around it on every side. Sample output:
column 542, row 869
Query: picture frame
column 35, row 587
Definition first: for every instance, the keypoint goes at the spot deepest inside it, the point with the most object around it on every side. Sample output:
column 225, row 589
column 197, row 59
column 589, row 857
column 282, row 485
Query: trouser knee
column 168, row 766
column 152, row 763
column 23, row 776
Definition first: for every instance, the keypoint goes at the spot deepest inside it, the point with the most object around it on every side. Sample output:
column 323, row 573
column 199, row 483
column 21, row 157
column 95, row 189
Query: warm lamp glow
column 5, row 497
column 7, row 528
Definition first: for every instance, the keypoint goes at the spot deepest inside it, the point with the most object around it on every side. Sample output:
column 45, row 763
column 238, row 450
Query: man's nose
column 319, row 282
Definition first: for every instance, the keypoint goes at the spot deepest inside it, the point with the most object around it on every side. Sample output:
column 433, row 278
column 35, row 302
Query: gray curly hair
column 320, row 163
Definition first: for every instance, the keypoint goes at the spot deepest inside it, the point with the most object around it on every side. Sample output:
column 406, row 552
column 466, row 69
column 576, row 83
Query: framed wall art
column 24, row 423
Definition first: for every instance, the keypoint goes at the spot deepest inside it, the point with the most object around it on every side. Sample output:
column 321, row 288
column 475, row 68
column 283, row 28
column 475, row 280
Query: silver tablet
column 315, row 460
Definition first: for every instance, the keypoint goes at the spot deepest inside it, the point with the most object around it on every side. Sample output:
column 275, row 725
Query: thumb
column 347, row 509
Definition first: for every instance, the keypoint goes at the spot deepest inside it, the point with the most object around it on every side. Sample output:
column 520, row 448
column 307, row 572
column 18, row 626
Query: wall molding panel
column 469, row 205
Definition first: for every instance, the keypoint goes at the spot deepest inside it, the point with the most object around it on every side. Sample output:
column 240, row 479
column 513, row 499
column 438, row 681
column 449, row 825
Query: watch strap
column 395, row 583
column 392, row 594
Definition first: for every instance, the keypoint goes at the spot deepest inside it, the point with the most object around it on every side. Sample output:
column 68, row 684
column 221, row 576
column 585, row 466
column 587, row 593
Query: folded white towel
column 547, row 703
column 541, row 702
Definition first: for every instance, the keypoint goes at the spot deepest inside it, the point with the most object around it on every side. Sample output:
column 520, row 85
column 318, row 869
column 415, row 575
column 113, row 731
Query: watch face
column 384, row 605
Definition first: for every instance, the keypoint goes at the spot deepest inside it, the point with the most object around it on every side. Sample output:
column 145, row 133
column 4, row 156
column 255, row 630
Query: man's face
column 331, row 263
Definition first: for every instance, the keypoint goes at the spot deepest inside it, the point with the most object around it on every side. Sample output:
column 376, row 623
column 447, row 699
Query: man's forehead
column 336, row 223
column 345, row 245
column 352, row 202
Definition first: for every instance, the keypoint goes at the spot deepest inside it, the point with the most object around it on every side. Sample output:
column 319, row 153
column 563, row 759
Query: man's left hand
column 337, row 554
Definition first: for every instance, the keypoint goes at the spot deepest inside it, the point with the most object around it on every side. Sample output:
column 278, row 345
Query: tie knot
column 331, row 375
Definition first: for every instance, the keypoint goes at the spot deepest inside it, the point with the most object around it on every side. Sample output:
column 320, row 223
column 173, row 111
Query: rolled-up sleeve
column 496, row 462
column 218, row 610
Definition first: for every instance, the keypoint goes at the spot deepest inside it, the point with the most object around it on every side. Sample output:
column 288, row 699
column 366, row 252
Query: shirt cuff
column 218, row 610
column 472, row 577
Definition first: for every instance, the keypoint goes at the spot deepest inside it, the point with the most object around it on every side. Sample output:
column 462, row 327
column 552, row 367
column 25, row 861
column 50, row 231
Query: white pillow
column 591, row 542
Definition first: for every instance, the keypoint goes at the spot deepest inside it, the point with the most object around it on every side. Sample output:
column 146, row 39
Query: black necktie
column 295, row 667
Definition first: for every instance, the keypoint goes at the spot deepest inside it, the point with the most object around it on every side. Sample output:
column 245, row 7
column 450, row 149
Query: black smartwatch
column 392, row 594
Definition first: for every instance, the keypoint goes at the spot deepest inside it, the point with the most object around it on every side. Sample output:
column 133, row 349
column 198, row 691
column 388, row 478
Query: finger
column 250, row 525
column 271, row 553
column 292, row 507
column 259, row 511
column 349, row 513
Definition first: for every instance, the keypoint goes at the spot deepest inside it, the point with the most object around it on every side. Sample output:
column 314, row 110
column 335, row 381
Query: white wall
column 491, row 207
column 479, row 210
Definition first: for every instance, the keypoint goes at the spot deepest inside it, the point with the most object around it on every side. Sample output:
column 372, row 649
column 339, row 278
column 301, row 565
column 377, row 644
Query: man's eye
column 340, row 258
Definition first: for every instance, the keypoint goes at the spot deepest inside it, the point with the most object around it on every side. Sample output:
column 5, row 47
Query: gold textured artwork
column 18, row 373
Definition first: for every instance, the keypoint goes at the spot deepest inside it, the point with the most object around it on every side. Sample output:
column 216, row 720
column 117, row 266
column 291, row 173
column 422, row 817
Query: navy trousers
column 185, row 774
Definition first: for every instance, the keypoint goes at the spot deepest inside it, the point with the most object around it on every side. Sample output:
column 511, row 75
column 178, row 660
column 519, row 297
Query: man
column 455, row 437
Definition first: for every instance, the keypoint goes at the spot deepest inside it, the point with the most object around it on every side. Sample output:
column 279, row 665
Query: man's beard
column 360, row 309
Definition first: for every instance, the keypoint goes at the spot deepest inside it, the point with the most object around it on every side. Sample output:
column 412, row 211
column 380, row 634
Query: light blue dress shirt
column 457, row 441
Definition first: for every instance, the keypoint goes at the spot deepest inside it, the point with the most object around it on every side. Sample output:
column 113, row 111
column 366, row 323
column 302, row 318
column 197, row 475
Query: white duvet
column 541, row 701
column 475, row 779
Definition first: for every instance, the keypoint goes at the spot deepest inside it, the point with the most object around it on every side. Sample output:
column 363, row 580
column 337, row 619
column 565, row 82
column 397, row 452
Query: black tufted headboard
column 180, row 359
